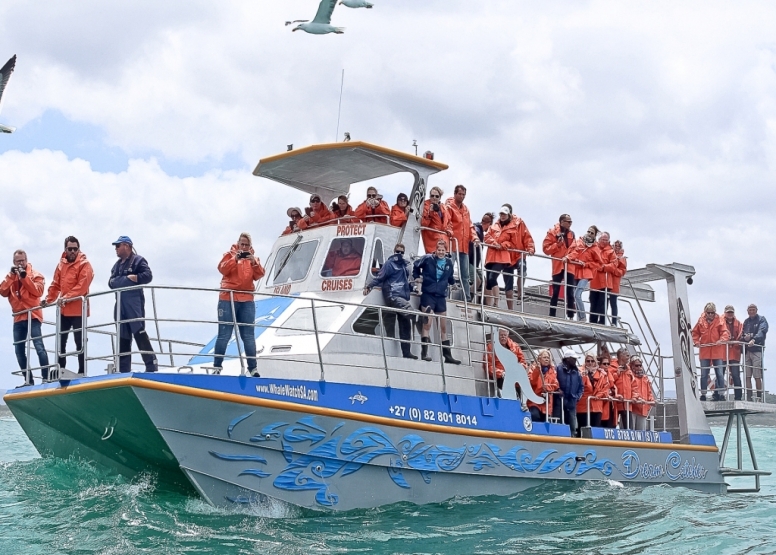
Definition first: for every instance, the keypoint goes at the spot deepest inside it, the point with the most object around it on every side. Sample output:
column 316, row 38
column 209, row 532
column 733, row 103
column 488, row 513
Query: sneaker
column 715, row 397
column 703, row 397
column 254, row 373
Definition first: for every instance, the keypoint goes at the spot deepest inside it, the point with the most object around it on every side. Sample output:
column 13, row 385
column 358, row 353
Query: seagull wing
column 5, row 74
column 325, row 9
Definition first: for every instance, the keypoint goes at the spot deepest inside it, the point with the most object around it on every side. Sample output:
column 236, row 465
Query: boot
column 406, row 351
column 424, row 349
column 447, row 354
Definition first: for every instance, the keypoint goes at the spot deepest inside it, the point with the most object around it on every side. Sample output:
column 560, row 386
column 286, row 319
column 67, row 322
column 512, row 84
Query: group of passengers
column 590, row 262
column 721, row 340
column 602, row 393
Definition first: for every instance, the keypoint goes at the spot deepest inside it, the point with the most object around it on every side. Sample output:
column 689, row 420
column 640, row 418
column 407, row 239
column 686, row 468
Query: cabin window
column 368, row 322
column 293, row 262
column 378, row 258
column 344, row 257
column 301, row 321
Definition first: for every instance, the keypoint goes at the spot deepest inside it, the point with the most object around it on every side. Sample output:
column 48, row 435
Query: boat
column 337, row 419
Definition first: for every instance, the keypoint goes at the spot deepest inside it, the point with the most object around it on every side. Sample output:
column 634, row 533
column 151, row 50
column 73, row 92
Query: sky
column 653, row 120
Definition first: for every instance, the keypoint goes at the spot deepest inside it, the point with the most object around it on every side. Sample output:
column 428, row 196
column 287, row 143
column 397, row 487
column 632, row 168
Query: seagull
column 321, row 23
column 356, row 4
column 5, row 74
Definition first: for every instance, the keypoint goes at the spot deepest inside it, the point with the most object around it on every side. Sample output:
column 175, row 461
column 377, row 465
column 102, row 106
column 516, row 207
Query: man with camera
column 23, row 287
column 72, row 279
column 240, row 269
column 374, row 209
column 557, row 244
column 131, row 270
column 436, row 220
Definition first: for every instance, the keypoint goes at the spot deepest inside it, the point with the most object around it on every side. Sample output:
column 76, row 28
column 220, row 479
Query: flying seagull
column 321, row 23
column 356, row 3
column 5, row 74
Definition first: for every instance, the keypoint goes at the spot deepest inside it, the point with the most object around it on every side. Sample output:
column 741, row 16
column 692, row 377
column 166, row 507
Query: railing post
column 441, row 356
column 156, row 325
column 117, row 352
column 318, row 339
column 57, row 341
column 382, row 345
column 84, row 328
column 236, row 335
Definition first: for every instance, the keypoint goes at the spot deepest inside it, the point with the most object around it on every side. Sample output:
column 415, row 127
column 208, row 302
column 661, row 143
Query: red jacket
column 239, row 275
column 541, row 383
column 70, row 281
column 398, row 217
column 342, row 218
column 551, row 247
column 735, row 329
column 601, row 388
column 505, row 236
column 319, row 217
column 623, row 381
column 462, row 224
column 587, row 391
column 642, row 390
column 589, row 255
column 24, row 294
column 609, row 269
column 622, row 265
column 341, row 265
column 512, row 346
column 379, row 214
column 524, row 241
column 714, row 334
column 432, row 219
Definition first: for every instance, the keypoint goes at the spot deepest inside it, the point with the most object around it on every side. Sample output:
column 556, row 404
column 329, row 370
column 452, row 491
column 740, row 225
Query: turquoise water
column 53, row 506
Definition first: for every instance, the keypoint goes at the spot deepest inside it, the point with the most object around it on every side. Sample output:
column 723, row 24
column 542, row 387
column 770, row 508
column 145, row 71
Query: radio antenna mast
column 339, row 110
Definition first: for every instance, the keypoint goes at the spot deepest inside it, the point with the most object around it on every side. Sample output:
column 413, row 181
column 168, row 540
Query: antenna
column 339, row 110
column 415, row 144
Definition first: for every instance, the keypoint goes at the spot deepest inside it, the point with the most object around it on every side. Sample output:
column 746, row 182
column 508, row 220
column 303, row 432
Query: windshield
column 292, row 262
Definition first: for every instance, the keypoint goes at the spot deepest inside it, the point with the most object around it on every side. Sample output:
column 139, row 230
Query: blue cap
column 123, row 239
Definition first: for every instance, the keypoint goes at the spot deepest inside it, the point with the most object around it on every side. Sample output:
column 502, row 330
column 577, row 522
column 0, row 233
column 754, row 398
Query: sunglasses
column 371, row 196
column 398, row 252
column 434, row 196
column 72, row 249
column 403, row 200
column 315, row 201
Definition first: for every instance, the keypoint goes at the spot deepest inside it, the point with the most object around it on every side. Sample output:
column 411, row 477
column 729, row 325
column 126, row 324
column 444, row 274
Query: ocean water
column 53, row 506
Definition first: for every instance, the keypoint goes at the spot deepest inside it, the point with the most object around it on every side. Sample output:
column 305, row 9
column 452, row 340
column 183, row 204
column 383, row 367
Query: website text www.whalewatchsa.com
column 285, row 390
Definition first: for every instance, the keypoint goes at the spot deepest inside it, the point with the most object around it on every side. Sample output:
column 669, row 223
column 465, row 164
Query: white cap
column 505, row 210
column 568, row 353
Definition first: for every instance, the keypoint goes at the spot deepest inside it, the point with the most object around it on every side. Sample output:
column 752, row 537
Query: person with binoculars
column 23, row 287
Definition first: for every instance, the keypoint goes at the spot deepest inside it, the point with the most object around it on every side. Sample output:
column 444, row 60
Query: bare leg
column 442, row 325
column 510, row 299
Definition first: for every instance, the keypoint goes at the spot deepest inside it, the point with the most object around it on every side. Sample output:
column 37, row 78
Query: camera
column 243, row 254
column 435, row 207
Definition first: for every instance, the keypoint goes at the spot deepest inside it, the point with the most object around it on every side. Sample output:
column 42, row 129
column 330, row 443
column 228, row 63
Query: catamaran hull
column 239, row 447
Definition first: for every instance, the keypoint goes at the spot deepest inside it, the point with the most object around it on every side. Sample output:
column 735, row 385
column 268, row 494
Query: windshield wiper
column 291, row 251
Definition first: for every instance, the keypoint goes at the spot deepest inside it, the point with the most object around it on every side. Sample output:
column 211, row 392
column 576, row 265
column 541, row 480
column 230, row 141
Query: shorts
column 493, row 270
column 754, row 364
column 509, row 274
column 436, row 303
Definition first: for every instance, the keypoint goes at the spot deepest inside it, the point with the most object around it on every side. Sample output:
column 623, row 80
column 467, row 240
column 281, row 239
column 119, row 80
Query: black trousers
column 557, row 279
column 143, row 344
column 404, row 319
column 67, row 323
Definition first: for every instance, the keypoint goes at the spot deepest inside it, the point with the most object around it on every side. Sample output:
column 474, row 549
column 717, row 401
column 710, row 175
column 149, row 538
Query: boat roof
column 330, row 169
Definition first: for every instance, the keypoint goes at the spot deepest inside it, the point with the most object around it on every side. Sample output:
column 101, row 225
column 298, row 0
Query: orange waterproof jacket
column 398, row 217
column 713, row 334
column 524, row 241
column 341, row 265
column 623, row 381
column 735, row 329
column 70, row 281
column 462, row 224
column 379, row 214
column 601, row 388
column 541, row 383
column 348, row 216
column 611, row 268
column 622, row 267
column 552, row 247
column 504, row 235
column 587, row 391
column 589, row 255
column 319, row 217
column 432, row 219
column 24, row 294
column 489, row 356
column 239, row 275
column 642, row 391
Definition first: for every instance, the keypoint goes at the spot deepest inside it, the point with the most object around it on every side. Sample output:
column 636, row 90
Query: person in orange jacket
column 585, row 253
column 523, row 242
column 557, row 243
column 599, row 379
column 316, row 214
column 621, row 378
column 435, row 217
column 374, row 209
column 23, row 287
column 462, row 234
column 643, row 397
column 622, row 267
column 72, row 278
column 400, row 211
column 733, row 359
column 544, row 381
column 239, row 269
column 500, row 239
column 342, row 261
column 493, row 364
column 587, row 391
column 342, row 212
column 295, row 215
column 602, row 283
column 710, row 334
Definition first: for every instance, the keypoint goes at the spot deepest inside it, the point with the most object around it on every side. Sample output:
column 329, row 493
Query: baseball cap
column 568, row 353
column 122, row 239
column 729, row 308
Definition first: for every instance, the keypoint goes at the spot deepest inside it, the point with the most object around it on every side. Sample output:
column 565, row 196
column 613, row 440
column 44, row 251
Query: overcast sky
column 653, row 120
